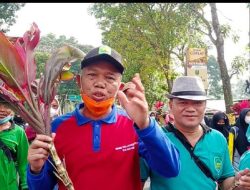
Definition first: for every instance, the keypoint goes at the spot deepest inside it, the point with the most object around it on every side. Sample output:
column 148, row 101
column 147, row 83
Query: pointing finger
column 122, row 99
column 137, row 81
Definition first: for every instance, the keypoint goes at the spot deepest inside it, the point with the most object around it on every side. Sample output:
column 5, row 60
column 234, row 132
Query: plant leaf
column 54, row 66
column 18, row 107
column 66, row 76
column 66, row 67
column 31, row 39
column 11, row 65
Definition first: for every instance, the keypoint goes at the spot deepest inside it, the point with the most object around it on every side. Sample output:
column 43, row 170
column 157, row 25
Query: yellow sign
column 196, row 58
column 197, row 64
column 200, row 72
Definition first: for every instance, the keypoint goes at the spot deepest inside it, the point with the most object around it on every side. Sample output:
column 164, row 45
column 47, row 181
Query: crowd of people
column 119, row 147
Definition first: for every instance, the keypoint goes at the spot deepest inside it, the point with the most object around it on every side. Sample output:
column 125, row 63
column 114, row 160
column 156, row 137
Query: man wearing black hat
column 100, row 142
column 205, row 161
column 13, row 151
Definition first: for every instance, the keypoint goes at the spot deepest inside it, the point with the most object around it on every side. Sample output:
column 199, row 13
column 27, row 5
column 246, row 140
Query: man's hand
column 38, row 152
column 133, row 100
column 243, row 177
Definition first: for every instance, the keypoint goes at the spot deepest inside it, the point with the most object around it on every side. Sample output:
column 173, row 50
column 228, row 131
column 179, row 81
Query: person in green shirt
column 13, row 151
column 200, row 147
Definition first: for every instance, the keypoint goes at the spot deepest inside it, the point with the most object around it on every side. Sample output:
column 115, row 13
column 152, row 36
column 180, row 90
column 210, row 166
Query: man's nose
column 190, row 107
column 100, row 83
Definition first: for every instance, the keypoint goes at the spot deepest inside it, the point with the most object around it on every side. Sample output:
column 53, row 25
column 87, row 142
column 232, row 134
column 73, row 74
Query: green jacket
column 13, row 174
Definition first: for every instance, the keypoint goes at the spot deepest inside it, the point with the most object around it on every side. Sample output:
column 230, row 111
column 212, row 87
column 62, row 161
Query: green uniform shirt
column 211, row 149
column 15, row 138
column 245, row 161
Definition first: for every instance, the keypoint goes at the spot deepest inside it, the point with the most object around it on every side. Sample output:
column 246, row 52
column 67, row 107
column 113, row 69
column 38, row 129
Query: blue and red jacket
column 104, row 154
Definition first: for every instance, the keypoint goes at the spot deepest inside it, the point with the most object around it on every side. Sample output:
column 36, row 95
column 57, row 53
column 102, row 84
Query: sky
column 69, row 19
column 73, row 19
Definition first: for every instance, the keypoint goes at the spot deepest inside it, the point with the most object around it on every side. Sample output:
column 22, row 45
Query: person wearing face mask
column 13, row 151
column 55, row 109
column 236, row 145
column 245, row 158
column 100, row 143
column 242, row 124
column 247, row 119
column 220, row 122
column 152, row 114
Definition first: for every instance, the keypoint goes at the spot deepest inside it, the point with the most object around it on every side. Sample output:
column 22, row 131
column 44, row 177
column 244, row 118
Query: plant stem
column 61, row 171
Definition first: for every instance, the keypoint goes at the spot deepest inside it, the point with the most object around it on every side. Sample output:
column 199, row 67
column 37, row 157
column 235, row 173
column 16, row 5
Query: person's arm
column 239, row 181
column 227, row 183
column 43, row 180
column 22, row 152
column 160, row 153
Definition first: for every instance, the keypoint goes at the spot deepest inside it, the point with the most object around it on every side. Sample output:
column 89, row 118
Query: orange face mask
column 97, row 109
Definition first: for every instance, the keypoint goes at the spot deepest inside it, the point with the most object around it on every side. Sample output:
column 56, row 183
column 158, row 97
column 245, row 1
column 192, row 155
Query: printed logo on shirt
column 128, row 147
column 218, row 163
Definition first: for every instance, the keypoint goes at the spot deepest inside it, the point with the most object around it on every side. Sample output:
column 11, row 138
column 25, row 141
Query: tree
column 239, row 88
column 152, row 36
column 239, row 66
column 7, row 15
column 215, row 87
column 50, row 42
column 217, row 32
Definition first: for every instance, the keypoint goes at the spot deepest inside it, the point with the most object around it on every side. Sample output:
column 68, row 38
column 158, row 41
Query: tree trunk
column 167, row 74
column 219, row 43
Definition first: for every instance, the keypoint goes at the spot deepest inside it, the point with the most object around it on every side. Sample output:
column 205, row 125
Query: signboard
column 202, row 73
column 196, row 58
column 74, row 98
column 197, row 64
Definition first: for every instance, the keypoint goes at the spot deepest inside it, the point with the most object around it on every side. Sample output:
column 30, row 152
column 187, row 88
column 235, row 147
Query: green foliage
column 239, row 65
column 47, row 45
column 225, row 30
column 149, row 36
column 50, row 42
column 155, row 86
column 214, row 78
column 7, row 15
column 41, row 58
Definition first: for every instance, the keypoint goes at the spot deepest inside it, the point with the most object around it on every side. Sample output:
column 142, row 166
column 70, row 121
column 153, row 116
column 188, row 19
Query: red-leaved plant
column 29, row 96
column 237, row 107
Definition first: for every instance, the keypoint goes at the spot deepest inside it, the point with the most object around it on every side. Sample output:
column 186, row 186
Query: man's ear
column 78, row 80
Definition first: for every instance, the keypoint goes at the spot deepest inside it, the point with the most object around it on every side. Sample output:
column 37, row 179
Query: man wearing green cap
column 99, row 142
column 13, row 151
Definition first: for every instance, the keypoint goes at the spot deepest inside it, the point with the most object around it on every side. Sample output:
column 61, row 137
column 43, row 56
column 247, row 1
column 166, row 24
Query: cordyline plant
column 239, row 106
column 31, row 97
